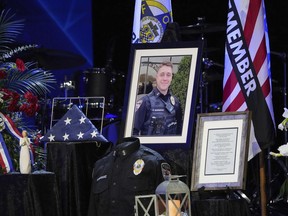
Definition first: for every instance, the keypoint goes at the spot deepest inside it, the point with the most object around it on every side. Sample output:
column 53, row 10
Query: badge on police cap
column 138, row 166
column 172, row 100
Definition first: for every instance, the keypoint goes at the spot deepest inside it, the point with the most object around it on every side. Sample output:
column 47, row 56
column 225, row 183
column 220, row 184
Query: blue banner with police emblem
column 150, row 20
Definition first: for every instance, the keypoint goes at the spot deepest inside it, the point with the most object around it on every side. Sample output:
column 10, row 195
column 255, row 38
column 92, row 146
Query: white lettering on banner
column 240, row 55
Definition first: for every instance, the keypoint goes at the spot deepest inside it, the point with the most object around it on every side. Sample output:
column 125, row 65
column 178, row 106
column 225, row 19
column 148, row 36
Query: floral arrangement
column 22, row 87
column 11, row 100
column 284, row 124
column 283, row 151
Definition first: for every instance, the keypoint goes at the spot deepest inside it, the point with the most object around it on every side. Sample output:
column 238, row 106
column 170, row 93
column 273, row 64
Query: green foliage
column 180, row 81
column 9, row 29
column 13, row 148
column 33, row 79
column 284, row 189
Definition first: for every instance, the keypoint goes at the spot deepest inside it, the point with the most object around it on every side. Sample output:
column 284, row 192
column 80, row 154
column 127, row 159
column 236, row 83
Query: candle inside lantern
column 173, row 207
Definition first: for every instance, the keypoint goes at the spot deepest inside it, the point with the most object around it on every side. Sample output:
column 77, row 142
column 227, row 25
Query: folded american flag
column 74, row 126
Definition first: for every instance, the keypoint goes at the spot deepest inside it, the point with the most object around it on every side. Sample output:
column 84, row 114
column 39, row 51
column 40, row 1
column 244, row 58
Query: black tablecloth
column 29, row 195
column 73, row 163
column 220, row 207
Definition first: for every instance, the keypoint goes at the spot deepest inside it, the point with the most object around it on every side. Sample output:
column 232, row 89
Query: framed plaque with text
column 221, row 151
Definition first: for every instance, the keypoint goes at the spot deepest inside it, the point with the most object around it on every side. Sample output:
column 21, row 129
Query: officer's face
column 163, row 79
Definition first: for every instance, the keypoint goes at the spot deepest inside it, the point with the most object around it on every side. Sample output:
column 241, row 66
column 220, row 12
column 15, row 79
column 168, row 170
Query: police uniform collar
column 158, row 93
column 127, row 146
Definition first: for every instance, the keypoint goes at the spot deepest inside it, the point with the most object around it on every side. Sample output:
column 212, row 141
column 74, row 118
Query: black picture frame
column 149, row 55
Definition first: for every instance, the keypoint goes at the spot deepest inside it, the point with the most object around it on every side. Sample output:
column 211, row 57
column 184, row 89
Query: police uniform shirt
column 129, row 170
column 143, row 111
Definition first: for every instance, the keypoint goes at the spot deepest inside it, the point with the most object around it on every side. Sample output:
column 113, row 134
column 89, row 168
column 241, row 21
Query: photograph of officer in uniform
column 159, row 112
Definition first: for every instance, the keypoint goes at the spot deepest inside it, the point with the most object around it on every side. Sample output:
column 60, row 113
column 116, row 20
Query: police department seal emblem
column 151, row 30
column 154, row 16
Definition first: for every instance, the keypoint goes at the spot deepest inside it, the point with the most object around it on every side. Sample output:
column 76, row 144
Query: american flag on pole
column 247, row 77
column 74, row 126
column 150, row 20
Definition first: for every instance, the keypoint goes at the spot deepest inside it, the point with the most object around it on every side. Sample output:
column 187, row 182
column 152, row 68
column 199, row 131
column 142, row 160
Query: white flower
column 281, row 127
column 283, row 149
column 284, row 124
column 285, row 114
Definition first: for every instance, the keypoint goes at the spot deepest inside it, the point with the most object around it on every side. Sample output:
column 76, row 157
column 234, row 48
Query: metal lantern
column 173, row 197
column 146, row 205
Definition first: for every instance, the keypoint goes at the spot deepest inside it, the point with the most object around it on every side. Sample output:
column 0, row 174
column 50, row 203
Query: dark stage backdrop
column 112, row 27
column 100, row 32
column 63, row 29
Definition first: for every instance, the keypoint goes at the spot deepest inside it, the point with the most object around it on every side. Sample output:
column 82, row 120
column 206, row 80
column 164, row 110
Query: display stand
column 92, row 107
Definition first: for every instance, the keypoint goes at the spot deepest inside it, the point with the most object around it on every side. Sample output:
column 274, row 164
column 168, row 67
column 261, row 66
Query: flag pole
column 263, row 196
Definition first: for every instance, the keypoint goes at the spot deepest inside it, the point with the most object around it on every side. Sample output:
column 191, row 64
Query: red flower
column 29, row 109
column 23, row 107
column 34, row 107
column 30, row 112
column 12, row 106
column 3, row 74
column 20, row 65
column 15, row 97
column 31, row 98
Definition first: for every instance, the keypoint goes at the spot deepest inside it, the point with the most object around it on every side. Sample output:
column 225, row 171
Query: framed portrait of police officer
column 161, row 93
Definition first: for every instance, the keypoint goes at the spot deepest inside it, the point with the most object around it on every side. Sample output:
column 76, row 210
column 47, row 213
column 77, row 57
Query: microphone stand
column 284, row 60
column 203, row 93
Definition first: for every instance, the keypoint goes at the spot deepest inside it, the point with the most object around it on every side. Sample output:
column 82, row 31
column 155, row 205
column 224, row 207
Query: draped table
column 220, row 207
column 72, row 163
column 29, row 195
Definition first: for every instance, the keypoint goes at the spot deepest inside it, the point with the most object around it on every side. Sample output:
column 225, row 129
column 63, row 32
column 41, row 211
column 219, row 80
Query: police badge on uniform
column 172, row 100
column 138, row 166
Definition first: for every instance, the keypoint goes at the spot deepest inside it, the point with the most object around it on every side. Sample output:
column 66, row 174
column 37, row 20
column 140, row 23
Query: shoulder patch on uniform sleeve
column 138, row 104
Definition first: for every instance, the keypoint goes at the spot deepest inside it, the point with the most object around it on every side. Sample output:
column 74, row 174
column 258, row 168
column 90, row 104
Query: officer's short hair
column 165, row 63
